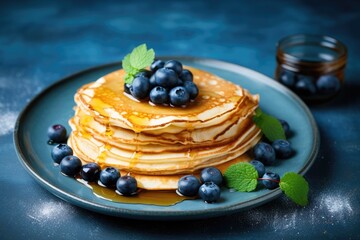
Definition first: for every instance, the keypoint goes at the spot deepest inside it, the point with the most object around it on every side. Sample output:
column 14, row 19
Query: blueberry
column 282, row 148
column 259, row 166
column 90, row 172
column 126, row 185
column 264, row 153
column 57, row 133
column 188, row 185
column 109, row 176
column 179, row 82
column 209, row 192
column 152, row 81
column 174, row 65
column 60, row 151
column 157, row 64
column 287, row 78
column 144, row 73
column 192, row 89
column 328, row 84
column 285, row 125
column 211, row 174
column 271, row 180
column 159, row 95
column 127, row 87
column 140, row 87
column 70, row 165
column 179, row 96
column 166, row 78
column 186, row 75
column 305, row 86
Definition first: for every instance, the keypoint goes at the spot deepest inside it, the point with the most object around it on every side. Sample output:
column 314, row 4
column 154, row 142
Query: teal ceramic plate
column 55, row 105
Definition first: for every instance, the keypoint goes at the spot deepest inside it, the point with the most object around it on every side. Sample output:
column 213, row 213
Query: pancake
column 159, row 144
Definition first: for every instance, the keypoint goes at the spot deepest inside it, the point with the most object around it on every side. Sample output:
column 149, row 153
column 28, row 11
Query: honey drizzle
column 150, row 197
column 136, row 154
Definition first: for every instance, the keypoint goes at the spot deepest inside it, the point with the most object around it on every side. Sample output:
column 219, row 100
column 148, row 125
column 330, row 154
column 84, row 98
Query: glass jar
column 312, row 66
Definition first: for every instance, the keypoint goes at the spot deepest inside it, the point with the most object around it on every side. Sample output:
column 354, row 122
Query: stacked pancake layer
column 159, row 144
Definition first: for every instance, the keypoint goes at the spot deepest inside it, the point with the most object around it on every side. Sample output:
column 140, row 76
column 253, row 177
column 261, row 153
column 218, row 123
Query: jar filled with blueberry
column 312, row 66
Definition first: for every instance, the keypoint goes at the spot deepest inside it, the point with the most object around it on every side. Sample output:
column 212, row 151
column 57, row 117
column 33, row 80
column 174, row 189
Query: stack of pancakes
column 159, row 144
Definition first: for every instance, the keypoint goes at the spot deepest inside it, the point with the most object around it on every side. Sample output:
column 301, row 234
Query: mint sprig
column 243, row 177
column 295, row 187
column 136, row 61
column 269, row 125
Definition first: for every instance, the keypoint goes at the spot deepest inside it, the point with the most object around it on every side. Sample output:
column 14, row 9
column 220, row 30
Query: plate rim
column 160, row 215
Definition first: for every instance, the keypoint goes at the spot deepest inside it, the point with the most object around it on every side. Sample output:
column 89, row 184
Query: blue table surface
column 43, row 41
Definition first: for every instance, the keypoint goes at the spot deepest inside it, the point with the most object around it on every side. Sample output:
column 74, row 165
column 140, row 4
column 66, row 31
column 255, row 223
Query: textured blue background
column 42, row 41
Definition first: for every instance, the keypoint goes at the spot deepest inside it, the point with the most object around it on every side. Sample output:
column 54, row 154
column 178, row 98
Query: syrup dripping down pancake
column 159, row 144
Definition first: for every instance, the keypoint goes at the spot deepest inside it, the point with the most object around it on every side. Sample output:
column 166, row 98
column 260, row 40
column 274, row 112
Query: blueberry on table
column 179, row 96
column 70, row 165
column 57, row 133
column 60, row 151
column 189, row 185
column 282, row 148
column 140, row 87
column 166, row 78
column 305, row 86
column 186, row 75
column 157, row 64
column 259, row 166
column 192, row 89
column 109, row 176
column 264, row 153
column 285, row 125
column 159, row 95
column 211, row 174
column 270, row 180
column 209, row 192
column 174, row 65
column 287, row 78
column 90, row 172
column 126, row 185
column 328, row 84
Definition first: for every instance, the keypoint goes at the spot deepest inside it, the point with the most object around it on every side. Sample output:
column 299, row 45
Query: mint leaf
column 129, row 78
column 269, row 125
column 140, row 57
column 242, row 177
column 295, row 187
column 136, row 61
column 127, row 65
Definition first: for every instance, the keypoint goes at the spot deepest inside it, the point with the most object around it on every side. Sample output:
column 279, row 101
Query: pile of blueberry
column 308, row 86
column 165, row 83
column 265, row 154
column 207, row 188
column 70, row 165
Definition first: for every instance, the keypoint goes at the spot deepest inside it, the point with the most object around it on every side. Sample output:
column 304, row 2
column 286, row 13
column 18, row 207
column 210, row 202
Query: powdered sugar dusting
column 7, row 121
column 47, row 212
column 284, row 222
column 338, row 206
column 325, row 209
